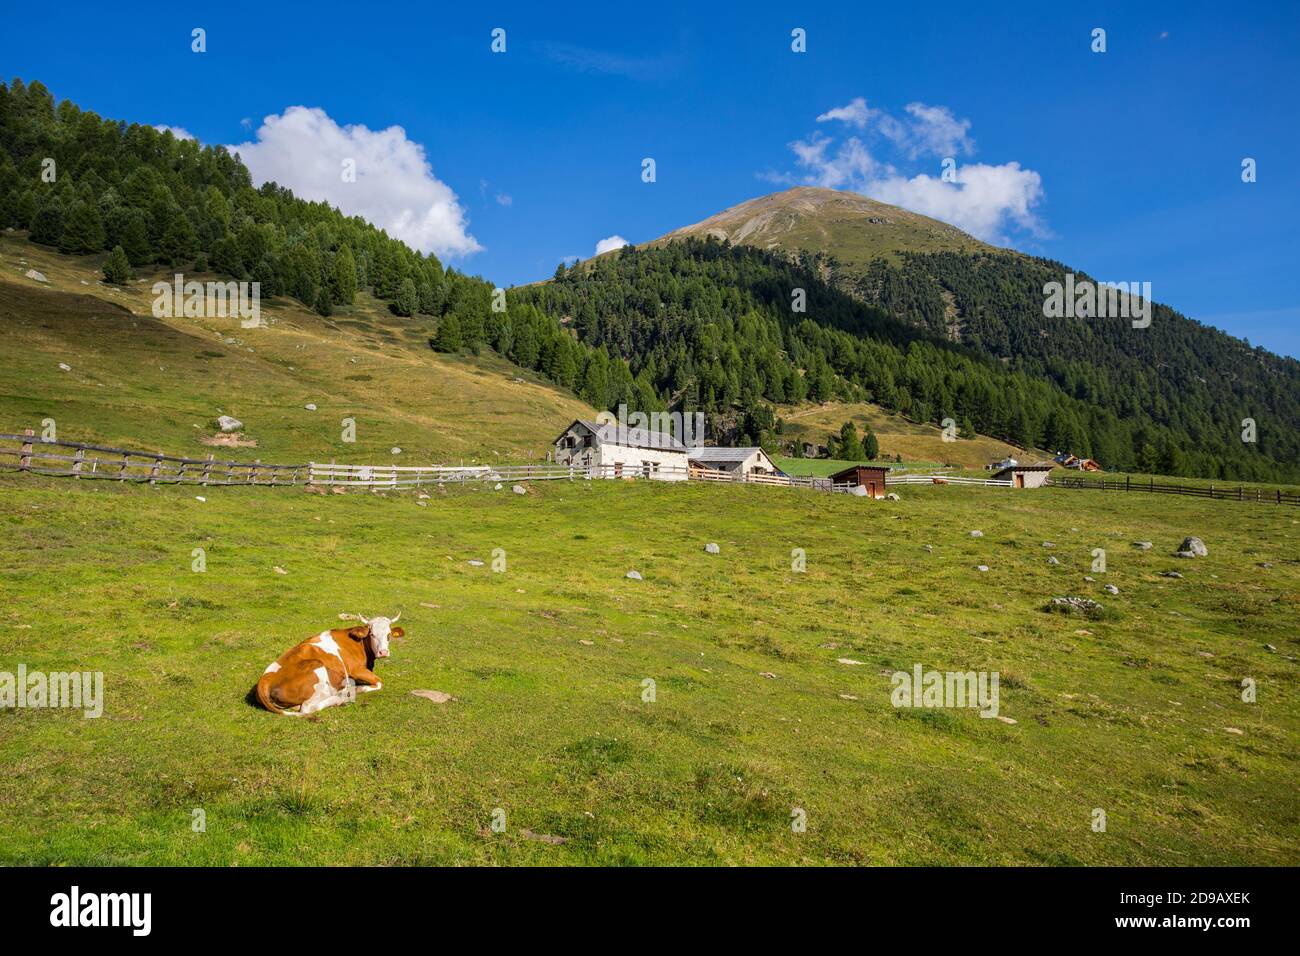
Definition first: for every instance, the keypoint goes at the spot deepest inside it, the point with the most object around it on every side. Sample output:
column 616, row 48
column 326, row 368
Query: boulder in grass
column 634, row 575
column 1072, row 605
column 229, row 424
column 33, row 274
column 1052, row 559
column 1111, row 589
column 1194, row 546
column 712, row 548
column 1143, row 545
column 519, row 490
column 977, row 534
column 892, row 496
column 310, row 406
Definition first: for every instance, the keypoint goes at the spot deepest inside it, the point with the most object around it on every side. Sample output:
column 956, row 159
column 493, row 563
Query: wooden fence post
column 207, row 469
column 76, row 465
column 153, row 471
column 25, row 462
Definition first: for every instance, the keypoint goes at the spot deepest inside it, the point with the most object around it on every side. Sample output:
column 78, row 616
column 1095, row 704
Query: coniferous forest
column 697, row 324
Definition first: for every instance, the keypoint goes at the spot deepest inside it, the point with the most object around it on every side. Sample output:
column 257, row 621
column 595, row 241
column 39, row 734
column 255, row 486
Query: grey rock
column 1170, row 574
column 982, row 567
column 858, row 491
column 892, row 496
column 634, row 575
column 1143, row 545
column 1195, row 545
column 977, row 534
column 1071, row 604
column 1049, row 544
column 1184, row 554
column 310, row 406
column 38, row 276
column 475, row 563
column 1053, row 560
column 519, row 490
column 712, row 548
column 228, row 424
column 1111, row 589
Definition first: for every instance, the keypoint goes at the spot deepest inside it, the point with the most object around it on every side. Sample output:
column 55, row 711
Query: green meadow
column 756, row 720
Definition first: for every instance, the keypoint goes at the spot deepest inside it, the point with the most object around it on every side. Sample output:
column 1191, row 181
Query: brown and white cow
column 328, row 669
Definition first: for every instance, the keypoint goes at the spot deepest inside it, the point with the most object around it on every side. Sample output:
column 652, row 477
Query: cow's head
column 378, row 630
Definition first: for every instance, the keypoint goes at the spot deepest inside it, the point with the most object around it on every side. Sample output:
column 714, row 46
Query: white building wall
column 634, row 461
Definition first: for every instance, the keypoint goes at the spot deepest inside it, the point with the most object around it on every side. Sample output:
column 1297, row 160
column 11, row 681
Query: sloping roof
column 1041, row 466
column 614, row 434
column 852, row 470
column 720, row 453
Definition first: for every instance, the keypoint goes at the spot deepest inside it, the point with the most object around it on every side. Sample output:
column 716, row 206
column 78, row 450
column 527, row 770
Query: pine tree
column 407, row 301
column 47, row 224
column 117, row 269
column 448, row 337
column 324, row 305
column 83, row 230
column 343, row 277
column 870, row 446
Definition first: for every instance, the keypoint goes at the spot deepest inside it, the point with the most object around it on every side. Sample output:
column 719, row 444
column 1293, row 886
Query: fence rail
column 1238, row 493
column 41, row 457
column 940, row 479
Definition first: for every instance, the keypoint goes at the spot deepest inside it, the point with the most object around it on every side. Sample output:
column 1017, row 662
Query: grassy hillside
column 1137, row 712
column 152, row 384
column 915, row 441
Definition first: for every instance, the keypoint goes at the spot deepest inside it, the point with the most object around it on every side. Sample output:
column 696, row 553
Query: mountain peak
column 850, row 226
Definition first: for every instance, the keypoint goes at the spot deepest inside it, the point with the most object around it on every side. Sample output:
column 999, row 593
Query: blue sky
column 1127, row 164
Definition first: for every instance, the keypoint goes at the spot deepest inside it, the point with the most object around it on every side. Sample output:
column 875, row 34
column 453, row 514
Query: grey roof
column 720, row 453
column 1041, row 466
column 615, row 434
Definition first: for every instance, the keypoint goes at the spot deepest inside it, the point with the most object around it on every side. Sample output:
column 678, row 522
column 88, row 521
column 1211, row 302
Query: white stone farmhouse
column 737, row 461
column 620, row 452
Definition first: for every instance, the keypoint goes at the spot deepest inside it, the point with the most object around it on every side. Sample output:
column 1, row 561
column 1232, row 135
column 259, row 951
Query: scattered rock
column 38, row 276
column 1234, row 730
column 199, row 498
column 1006, row 720
column 279, row 570
column 1049, row 544
column 475, row 563
column 437, row 696
column 310, row 406
column 634, row 575
column 892, row 496
column 519, row 490
column 848, row 660
column 768, row 674
column 927, row 549
column 586, row 643
column 712, row 548
column 64, row 367
column 1111, row 589
column 1143, row 545
column 1091, row 579
column 395, row 450
column 543, row 837
column 1170, row 574
column 429, row 605
column 228, row 424
column 1269, row 647
column 1192, row 548
column 981, row 567
column 1072, row 604
column 847, row 697
column 977, row 534
column 1053, row 560
column 498, row 486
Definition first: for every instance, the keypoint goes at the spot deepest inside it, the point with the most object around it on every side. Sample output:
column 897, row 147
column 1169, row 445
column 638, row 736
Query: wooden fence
column 1151, row 486
column 78, row 460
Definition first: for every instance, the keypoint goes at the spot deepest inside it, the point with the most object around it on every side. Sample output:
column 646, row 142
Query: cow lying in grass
column 329, row 669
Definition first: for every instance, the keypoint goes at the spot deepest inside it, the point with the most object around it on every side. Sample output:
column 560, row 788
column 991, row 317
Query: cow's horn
column 396, row 619
column 362, row 618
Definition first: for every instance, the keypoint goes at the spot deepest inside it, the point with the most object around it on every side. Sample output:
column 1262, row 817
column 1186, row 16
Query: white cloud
column 984, row 200
column 857, row 113
column 610, row 243
column 505, row 199
column 936, row 131
column 179, row 132
column 305, row 150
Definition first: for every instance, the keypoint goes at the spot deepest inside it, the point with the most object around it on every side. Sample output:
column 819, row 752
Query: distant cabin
column 737, row 461
column 999, row 465
column 1026, row 476
column 871, row 477
column 621, row 452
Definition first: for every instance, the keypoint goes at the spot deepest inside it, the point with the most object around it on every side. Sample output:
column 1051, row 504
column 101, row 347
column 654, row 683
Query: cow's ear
column 360, row 632
column 397, row 632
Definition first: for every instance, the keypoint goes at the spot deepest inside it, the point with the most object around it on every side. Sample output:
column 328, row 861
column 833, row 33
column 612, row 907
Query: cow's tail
column 264, row 698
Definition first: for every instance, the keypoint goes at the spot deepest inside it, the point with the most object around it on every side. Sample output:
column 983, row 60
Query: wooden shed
column 1026, row 476
column 871, row 477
